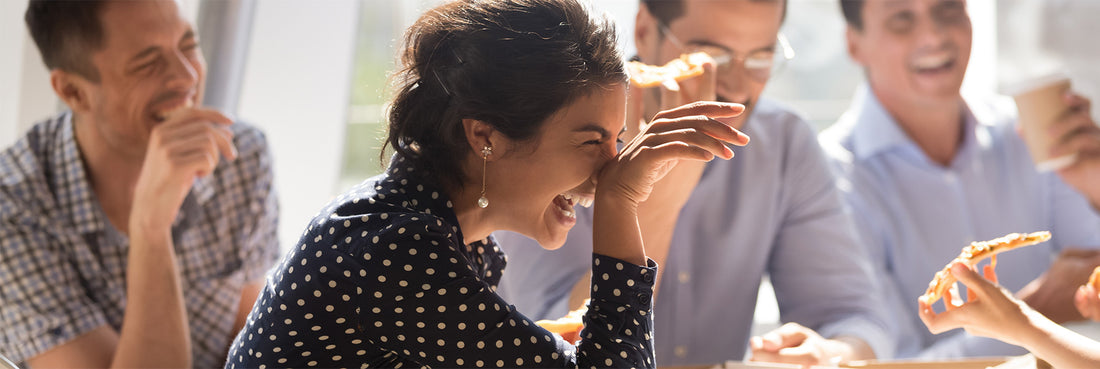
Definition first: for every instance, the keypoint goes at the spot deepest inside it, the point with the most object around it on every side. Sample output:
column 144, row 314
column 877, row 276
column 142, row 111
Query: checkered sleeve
column 260, row 249
column 43, row 302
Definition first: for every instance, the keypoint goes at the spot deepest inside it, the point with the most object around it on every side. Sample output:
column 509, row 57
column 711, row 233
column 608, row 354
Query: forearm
column 155, row 331
column 1059, row 346
column 616, row 232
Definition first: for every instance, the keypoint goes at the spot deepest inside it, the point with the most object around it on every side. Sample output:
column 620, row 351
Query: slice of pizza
column 569, row 326
column 646, row 76
column 976, row 252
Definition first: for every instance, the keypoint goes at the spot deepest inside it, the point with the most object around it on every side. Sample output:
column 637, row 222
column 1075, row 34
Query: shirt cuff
column 623, row 282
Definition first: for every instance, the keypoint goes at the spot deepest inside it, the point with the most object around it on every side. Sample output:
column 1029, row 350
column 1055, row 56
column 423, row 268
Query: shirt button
column 684, row 277
column 648, row 277
column 680, row 351
column 644, row 298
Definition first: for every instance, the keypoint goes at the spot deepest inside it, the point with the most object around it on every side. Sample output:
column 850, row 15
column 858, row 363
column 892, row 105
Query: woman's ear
column 71, row 89
column 480, row 135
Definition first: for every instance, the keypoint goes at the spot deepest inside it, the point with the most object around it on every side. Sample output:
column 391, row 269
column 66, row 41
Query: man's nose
column 932, row 33
column 734, row 85
column 183, row 74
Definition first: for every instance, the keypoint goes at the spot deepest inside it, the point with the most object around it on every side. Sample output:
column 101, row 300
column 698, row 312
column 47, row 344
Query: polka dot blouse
column 381, row 279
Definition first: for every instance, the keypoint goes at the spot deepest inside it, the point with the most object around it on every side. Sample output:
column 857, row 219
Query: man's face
column 914, row 49
column 150, row 65
column 739, row 27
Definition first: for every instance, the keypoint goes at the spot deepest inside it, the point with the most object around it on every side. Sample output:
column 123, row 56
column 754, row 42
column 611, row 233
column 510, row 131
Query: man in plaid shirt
column 135, row 228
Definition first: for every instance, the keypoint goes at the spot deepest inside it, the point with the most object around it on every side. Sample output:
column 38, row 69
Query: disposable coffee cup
column 1041, row 102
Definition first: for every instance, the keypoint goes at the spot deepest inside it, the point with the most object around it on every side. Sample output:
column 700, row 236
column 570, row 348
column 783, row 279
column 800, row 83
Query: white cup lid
column 1030, row 84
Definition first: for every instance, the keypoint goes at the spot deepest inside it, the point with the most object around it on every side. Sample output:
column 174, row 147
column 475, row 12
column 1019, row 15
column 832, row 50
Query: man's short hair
column 853, row 13
column 67, row 32
column 667, row 11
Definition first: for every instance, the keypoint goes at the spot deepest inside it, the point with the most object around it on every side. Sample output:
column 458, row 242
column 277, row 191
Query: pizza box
column 1018, row 362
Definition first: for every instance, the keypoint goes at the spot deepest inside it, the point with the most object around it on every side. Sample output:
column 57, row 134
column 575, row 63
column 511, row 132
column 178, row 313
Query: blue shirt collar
column 877, row 131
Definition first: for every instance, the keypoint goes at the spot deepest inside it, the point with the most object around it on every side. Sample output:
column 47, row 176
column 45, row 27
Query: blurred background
column 313, row 75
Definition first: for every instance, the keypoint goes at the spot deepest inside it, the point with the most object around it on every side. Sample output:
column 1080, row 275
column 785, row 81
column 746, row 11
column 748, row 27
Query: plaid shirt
column 63, row 265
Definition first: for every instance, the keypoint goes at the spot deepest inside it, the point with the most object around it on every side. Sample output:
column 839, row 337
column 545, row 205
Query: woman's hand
column 688, row 132
column 991, row 311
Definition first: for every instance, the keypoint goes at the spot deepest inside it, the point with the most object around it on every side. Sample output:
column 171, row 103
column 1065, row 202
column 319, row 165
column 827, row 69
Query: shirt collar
column 70, row 181
column 877, row 131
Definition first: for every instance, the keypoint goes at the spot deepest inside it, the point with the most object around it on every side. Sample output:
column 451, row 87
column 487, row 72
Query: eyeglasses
column 759, row 64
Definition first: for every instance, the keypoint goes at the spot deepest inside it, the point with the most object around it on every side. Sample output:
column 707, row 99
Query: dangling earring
column 483, row 202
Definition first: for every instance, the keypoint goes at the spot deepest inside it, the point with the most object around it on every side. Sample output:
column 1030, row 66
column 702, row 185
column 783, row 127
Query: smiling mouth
column 933, row 64
column 163, row 115
column 565, row 202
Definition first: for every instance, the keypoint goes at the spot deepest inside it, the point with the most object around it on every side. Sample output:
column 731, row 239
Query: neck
column 473, row 220
column 936, row 125
column 112, row 174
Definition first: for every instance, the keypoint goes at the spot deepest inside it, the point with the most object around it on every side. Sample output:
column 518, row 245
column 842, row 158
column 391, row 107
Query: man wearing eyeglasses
column 928, row 169
column 718, row 228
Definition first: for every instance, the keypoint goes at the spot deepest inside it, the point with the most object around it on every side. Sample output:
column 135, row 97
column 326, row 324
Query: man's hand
column 1087, row 301
column 795, row 344
column 1052, row 294
column 187, row 145
column 673, row 191
column 1076, row 133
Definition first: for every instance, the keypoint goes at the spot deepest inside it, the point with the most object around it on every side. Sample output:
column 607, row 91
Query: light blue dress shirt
column 773, row 209
column 916, row 215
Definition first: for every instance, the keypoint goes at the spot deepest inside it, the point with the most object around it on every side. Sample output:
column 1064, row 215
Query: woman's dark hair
column 508, row 63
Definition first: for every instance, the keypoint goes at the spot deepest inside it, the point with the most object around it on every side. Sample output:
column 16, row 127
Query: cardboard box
column 1017, row 362
column 972, row 363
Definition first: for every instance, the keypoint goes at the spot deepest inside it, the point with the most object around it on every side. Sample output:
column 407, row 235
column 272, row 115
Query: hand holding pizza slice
column 976, row 252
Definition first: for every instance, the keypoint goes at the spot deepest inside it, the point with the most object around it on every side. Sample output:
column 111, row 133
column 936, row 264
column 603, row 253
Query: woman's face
column 537, row 184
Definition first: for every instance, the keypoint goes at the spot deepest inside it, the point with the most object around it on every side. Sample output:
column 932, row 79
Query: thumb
column 971, row 279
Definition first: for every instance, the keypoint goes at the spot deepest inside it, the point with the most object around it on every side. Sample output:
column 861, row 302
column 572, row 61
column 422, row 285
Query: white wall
column 11, row 47
column 25, row 94
column 296, row 88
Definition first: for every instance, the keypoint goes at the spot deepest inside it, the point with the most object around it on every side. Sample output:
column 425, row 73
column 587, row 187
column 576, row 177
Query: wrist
column 1034, row 330
column 616, row 232
column 616, row 201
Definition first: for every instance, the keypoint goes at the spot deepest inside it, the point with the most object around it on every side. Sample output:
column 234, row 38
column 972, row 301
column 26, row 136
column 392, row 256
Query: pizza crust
column 646, row 76
column 976, row 252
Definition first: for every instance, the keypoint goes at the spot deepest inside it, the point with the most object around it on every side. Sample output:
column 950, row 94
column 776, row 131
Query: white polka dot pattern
column 380, row 278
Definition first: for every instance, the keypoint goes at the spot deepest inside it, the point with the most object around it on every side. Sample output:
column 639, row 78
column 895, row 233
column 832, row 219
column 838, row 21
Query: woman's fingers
column 990, row 273
column 701, row 123
column 707, row 108
column 938, row 323
column 674, row 150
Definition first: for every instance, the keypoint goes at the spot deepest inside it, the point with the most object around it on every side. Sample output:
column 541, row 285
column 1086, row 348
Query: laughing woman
column 506, row 116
